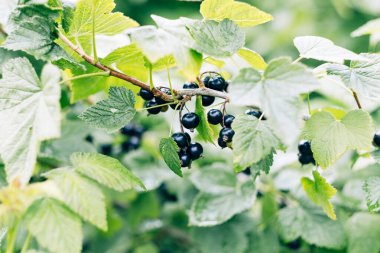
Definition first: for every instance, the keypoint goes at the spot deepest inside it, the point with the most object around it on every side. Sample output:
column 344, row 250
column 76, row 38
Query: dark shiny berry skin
column 190, row 120
column 166, row 91
column 306, row 159
column 146, row 94
column 255, row 113
column 246, row 171
column 294, row 245
column 185, row 160
column 191, row 85
column 188, row 137
column 207, row 100
column 222, row 143
column 128, row 130
column 226, row 87
column 214, row 116
column 195, row 150
column 89, row 138
column 376, row 139
column 181, row 139
column 106, row 149
column 216, row 83
column 206, row 80
column 226, row 134
column 304, row 148
column 155, row 110
column 227, row 120
column 134, row 142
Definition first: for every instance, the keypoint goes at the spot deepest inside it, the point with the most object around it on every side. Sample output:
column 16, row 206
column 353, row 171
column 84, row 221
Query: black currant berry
column 246, row 171
column 216, row 83
column 188, row 137
column 134, row 142
column 146, row 94
column 207, row 100
column 191, row 85
column 106, row 149
column 255, row 113
column 139, row 131
column 166, row 91
column 128, row 130
column 294, row 245
column 190, row 120
column 155, row 110
column 306, row 159
column 226, row 134
column 214, row 116
column 304, row 148
column 89, row 138
column 227, row 120
column 185, row 160
column 195, row 150
column 181, row 139
column 226, row 87
column 376, row 139
column 222, row 143
column 206, row 80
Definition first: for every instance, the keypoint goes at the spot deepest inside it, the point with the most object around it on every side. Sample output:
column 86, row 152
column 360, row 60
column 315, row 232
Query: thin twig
column 356, row 99
column 180, row 117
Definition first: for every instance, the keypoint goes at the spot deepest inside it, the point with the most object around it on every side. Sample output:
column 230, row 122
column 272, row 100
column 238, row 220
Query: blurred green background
column 333, row 19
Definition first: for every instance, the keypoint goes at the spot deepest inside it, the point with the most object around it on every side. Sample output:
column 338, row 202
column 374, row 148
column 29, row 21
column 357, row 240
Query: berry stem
column 170, row 85
column 105, row 73
column 156, row 106
column 180, row 117
column 356, row 99
column 308, row 103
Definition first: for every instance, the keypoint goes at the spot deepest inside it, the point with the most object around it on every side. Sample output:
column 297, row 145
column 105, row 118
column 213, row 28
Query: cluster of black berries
column 215, row 117
column 134, row 133
column 153, row 103
column 215, row 83
column 305, row 155
column 188, row 151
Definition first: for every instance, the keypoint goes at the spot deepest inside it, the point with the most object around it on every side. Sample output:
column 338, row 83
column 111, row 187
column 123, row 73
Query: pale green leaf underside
column 372, row 188
column 371, row 28
column 106, row 171
column 113, row 113
column 168, row 150
column 253, row 58
column 331, row 138
column 54, row 226
column 29, row 113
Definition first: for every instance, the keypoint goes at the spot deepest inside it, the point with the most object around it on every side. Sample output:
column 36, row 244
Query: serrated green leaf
column 29, row 114
column 206, row 133
column 243, row 14
column 277, row 91
column 54, row 226
column 105, row 22
column 164, row 63
column 217, row 39
column 33, row 31
column 210, row 209
column 311, row 225
column 254, row 140
column 370, row 28
column 363, row 233
column 253, row 58
column 113, row 113
column 169, row 151
column 81, row 195
column 331, row 138
column 320, row 192
column 372, row 188
column 263, row 165
column 314, row 47
column 361, row 76
column 106, row 171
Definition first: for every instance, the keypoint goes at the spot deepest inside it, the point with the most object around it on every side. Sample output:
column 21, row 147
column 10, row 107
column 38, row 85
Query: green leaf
column 241, row 13
column 113, row 113
column 363, row 233
column 331, row 138
column 168, row 150
column 206, row 133
column 210, row 209
column 263, row 165
column 320, row 192
column 361, row 76
column 34, row 31
column 29, row 113
column 217, row 39
column 372, row 188
column 55, row 227
column 277, row 91
column 164, row 63
column 106, row 22
column 254, row 140
column 105, row 170
column 7, row 6
column 313, row 47
column 253, row 58
column 370, row 28
column 311, row 225
column 81, row 195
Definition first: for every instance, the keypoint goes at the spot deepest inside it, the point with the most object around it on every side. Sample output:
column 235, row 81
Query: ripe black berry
column 207, row 100
column 216, row 83
column 181, row 139
column 226, row 134
column 190, row 120
column 304, row 148
column 155, row 110
column 128, row 130
column 214, row 116
column 226, row 87
column 131, row 144
column 89, row 138
column 166, row 91
column 195, row 150
column 191, row 85
column 146, row 94
column 185, row 160
column 106, row 149
column 376, row 139
column 206, row 80
column 228, row 119
column 188, row 137
column 255, row 113
column 306, row 159
column 222, row 143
